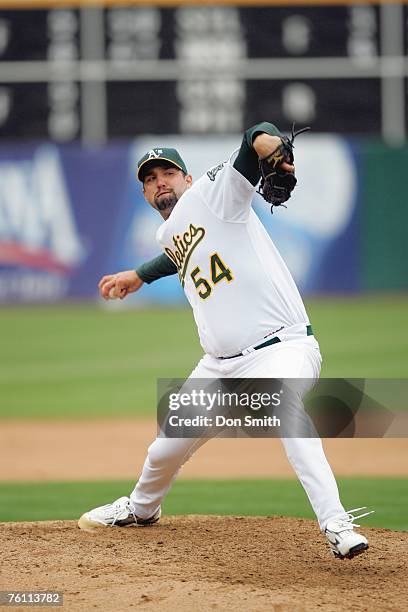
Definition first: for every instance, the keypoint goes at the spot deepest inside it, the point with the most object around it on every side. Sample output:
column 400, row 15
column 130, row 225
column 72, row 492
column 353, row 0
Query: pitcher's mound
column 203, row 563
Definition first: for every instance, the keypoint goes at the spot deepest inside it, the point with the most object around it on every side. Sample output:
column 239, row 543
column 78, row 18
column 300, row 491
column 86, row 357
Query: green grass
column 52, row 501
column 81, row 360
column 84, row 361
column 362, row 337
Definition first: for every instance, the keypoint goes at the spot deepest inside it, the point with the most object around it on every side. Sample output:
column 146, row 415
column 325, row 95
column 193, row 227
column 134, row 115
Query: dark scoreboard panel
column 310, row 31
column 33, row 106
column 142, row 107
column 23, row 35
column 337, row 106
column 23, row 110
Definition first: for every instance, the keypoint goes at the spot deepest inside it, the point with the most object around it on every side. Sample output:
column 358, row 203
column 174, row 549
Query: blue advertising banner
column 56, row 212
column 69, row 215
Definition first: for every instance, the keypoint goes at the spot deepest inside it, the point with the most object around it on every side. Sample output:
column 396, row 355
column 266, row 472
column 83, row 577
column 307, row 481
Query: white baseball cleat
column 345, row 543
column 119, row 513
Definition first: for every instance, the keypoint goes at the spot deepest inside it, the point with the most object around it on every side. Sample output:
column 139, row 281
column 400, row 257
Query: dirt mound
column 204, row 563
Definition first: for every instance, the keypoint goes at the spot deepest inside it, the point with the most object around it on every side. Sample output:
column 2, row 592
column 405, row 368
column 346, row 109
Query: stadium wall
column 70, row 214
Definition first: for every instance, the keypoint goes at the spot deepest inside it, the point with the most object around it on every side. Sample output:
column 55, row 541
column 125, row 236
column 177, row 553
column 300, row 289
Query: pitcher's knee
column 165, row 451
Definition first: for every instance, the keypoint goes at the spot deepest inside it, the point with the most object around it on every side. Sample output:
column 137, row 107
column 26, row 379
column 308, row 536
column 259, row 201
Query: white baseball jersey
column 237, row 283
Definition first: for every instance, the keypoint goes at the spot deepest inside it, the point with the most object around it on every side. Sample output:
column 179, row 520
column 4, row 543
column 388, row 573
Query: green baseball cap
column 154, row 157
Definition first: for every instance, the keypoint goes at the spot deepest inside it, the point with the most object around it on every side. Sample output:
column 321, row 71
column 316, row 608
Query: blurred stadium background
column 85, row 90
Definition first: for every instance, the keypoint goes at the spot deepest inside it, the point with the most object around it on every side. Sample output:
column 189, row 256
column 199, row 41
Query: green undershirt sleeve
column 247, row 160
column 156, row 268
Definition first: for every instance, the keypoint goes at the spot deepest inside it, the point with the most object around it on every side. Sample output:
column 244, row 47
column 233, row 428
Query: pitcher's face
column 163, row 187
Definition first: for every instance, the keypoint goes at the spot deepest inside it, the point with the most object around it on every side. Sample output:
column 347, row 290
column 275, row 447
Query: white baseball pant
column 289, row 359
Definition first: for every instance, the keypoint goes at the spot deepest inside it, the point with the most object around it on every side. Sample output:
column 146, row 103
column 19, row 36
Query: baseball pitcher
column 250, row 317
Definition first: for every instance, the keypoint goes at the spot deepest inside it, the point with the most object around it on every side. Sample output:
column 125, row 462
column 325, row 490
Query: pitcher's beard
column 167, row 203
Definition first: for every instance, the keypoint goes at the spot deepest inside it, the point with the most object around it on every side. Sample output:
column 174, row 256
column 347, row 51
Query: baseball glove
column 277, row 184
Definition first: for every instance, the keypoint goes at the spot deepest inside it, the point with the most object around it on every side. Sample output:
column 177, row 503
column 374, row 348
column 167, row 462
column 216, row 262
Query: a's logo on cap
column 155, row 153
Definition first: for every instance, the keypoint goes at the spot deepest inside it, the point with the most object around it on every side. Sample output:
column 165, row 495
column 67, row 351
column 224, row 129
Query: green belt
column 275, row 340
